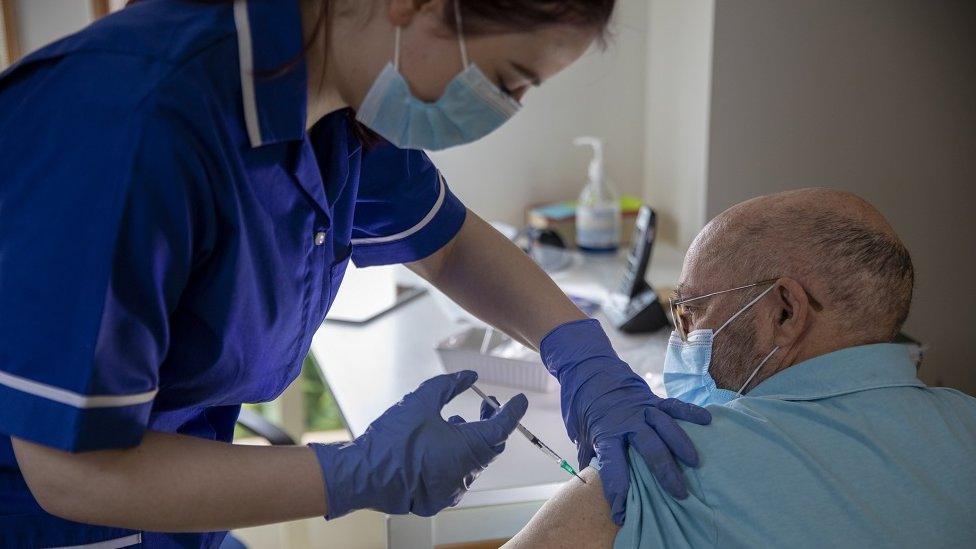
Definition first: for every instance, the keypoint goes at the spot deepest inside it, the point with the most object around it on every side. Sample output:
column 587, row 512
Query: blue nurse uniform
column 171, row 236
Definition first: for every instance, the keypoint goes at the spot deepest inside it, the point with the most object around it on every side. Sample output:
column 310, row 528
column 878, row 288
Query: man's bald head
column 842, row 278
column 834, row 243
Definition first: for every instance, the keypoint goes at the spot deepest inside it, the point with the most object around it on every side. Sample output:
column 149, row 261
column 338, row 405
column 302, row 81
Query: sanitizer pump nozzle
column 595, row 171
column 598, row 210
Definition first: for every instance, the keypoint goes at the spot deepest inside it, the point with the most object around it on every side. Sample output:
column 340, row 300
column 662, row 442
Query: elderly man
column 822, row 435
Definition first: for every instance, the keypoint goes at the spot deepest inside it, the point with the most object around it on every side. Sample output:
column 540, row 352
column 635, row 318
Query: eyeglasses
column 678, row 312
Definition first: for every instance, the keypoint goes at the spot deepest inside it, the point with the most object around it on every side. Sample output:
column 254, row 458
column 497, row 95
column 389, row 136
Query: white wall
column 42, row 21
column 532, row 159
column 878, row 97
column 679, row 60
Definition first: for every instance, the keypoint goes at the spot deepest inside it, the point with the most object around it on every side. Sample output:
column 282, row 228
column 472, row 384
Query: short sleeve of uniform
column 404, row 208
column 95, row 249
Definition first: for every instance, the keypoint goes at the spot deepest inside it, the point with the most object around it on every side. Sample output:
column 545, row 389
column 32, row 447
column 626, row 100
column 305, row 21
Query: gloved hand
column 606, row 407
column 410, row 459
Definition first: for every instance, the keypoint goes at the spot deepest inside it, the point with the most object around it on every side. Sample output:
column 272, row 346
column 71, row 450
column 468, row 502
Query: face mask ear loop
column 396, row 51
column 743, row 309
column 756, row 371
column 460, row 32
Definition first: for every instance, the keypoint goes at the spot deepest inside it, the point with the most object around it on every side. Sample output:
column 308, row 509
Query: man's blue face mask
column 686, row 365
column 471, row 107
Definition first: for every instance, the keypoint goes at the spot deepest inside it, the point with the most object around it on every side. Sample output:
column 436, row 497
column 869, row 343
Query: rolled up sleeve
column 654, row 518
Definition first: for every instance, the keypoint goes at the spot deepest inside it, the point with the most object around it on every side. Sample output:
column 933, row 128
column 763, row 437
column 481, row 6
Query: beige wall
column 878, row 97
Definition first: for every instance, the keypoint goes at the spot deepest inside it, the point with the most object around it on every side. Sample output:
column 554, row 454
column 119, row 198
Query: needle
column 563, row 464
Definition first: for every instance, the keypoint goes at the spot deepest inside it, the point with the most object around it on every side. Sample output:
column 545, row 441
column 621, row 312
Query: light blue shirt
column 847, row 449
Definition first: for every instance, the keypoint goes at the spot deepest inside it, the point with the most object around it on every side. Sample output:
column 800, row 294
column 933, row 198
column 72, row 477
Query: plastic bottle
column 598, row 209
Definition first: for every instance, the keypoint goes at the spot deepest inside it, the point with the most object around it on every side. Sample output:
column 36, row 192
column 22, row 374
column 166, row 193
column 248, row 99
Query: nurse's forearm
column 492, row 278
column 176, row 483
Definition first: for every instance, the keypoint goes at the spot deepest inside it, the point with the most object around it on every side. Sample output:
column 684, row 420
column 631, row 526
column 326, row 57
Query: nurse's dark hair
column 488, row 16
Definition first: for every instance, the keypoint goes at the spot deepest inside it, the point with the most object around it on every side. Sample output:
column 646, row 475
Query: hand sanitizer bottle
column 598, row 209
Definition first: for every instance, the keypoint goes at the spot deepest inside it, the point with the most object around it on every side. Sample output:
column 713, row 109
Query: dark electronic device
column 634, row 307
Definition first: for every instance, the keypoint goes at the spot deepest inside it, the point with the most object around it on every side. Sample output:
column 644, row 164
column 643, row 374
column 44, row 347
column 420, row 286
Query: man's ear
column 792, row 309
column 401, row 12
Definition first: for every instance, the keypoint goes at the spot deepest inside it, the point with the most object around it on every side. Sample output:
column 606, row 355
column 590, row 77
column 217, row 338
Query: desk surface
column 370, row 367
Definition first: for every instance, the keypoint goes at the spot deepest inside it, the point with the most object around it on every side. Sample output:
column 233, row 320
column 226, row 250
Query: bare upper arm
column 430, row 267
column 577, row 516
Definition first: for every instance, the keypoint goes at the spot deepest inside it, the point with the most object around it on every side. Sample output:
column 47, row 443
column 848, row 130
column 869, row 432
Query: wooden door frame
column 99, row 8
column 9, row 30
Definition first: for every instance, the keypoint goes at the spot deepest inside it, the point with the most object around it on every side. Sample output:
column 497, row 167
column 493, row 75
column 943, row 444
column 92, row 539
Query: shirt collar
column 272, row 67
column 844, row 371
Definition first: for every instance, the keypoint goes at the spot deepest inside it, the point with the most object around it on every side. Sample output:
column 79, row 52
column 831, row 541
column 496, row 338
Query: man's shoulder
column 755, row 440
column 752, row 425
column 734, row 424
column 954, row 397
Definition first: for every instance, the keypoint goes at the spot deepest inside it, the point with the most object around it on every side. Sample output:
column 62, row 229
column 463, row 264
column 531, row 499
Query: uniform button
column 320, row 238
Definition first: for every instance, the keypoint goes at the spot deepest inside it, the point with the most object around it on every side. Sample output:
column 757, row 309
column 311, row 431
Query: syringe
column 563, row 464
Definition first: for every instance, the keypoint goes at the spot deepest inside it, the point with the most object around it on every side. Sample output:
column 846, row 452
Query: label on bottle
column 598, row 227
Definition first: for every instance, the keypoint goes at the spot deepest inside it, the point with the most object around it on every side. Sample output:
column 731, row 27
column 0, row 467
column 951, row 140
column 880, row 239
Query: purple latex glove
column 606, row 407
column 412, row 461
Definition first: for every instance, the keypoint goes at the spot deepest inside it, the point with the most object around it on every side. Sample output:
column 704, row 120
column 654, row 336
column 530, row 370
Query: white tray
column 503, row 362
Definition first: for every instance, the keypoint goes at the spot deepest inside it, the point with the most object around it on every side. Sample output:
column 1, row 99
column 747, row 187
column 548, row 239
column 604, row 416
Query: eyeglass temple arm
column 753, row 285
column 817, row 306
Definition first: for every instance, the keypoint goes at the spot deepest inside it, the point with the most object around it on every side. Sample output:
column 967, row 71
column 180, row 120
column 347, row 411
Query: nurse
column 181, row 187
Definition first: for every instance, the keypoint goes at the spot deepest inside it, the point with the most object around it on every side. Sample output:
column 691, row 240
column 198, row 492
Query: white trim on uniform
column 246, row 57
column 70, row 398
column 420, row 225
column 116, row 543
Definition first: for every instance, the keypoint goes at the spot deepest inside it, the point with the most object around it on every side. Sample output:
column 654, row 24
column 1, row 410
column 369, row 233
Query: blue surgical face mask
column 686, row 364
column 471, row 107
